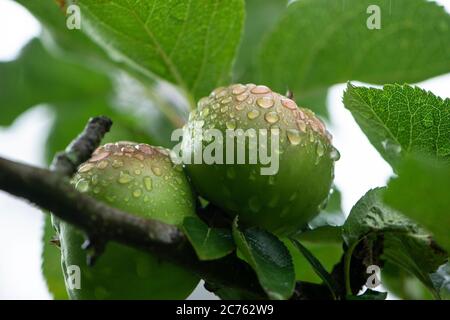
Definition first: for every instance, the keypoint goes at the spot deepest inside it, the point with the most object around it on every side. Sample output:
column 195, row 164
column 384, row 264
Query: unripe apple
column 282, row 202
column 141, row 180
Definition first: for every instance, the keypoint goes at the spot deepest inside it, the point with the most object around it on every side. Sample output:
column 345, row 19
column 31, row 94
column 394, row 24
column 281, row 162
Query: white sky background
column 359, row 169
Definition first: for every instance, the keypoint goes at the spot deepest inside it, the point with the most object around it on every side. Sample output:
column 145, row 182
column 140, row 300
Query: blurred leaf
column 146, row 109
column 401, row 119
column 71, row 118
column 327, row 250
column 260, row 17
column 56, row 35
column 369, row 295
column 189, row 43
column 270, row 259
column 334, row 201
column 441, row 280
column 332, row 215
column 421, row 192
column 317, row 267
column 51, row 263
column 37, row 77
column 403, row 284
column 209, row 243
column 318, row 43
column 403, row 242
column 322, row 234
column 316, row 100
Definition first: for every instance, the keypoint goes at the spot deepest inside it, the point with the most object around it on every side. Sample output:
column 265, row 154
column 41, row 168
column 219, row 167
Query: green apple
column 283, row 201
column 142, row 180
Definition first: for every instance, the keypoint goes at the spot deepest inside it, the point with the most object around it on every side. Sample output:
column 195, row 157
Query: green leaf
column 324, row 234
column 317, row 266
column 51, row 263
column 56, row 35
column 209, row 243
column 270, row 259
column 441, row 281
column 327, row 250
column 316, row 100
column 421, row 193
column 402, row 241
column 260, row 17
column 189, row 43
column 318, row 43
column 369, row 295
column 37, row 77
column 226, row 293
column 403, row 284
column 399, row 120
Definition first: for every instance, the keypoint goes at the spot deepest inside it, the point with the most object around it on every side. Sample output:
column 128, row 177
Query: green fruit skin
column 142, row 180
column 285, row 202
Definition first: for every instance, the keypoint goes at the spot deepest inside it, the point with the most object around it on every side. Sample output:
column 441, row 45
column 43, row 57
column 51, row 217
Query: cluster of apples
column 143, row 180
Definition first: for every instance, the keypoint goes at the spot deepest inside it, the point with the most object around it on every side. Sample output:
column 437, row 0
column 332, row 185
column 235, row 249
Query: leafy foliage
column 120, row 61
column 317, row 266
column 189, row 43
column 37, row 77
column 403, row 284
column 401, row 119
column 401, row 240
column 261, row 16
column 270, row 259
column 209, row 243
column 419, row 177
column 323, row 42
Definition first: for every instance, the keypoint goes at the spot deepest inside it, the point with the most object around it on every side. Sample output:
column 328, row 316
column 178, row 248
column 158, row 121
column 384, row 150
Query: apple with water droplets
column 142, row 180
column 291, row 178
